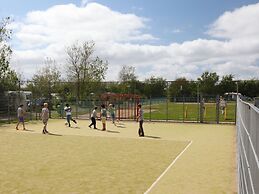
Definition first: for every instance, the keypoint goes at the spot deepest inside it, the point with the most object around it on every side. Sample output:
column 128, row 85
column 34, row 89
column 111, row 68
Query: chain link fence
column 82, row 98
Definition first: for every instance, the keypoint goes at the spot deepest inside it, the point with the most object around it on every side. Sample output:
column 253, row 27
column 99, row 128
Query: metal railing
column 247, row 147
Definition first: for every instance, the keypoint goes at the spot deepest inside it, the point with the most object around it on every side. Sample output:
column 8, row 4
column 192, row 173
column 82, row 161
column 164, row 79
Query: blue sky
column 162, row 23
column 190, row 17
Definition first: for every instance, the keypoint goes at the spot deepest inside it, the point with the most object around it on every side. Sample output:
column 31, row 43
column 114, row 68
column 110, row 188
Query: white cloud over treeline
column 124, row 39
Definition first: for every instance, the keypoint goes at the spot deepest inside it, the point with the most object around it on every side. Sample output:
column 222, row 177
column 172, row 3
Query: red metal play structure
column 125, row 104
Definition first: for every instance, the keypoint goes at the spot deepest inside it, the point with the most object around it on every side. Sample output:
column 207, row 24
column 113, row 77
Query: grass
column 187, row 112
column 83, row 160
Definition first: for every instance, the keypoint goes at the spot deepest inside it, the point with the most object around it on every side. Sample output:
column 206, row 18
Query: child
column 20, row 114
column 141, row 120
column 45, row 117
column 103, row 116
column 112, row 112
column 93, row 117
column 222, row 105
column 68, row 111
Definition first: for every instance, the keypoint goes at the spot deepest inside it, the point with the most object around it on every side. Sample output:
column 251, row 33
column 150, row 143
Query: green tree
column 85, row 69
column 155, row 87
column 227, row 84
column 8, row 77
column 128, row 80
column 46, row 80
column 183, row 87
column 127, row 74
column 249, row 87
column 208, row 83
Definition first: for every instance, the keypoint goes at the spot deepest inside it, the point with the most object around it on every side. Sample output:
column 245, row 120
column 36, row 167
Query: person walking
column 140, row 119
column 93, row 117
column 68, row 111
column 20, row 114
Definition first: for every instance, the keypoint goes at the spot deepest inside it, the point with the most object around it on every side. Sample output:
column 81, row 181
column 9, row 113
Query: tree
column 127, row 74
column 208, row 83
column 155, row 87
column 227, row 84
column 87, row 71
column 183, row 87
column 8, row 77
column 46, row 80
column 249, row 87
column 128, row 79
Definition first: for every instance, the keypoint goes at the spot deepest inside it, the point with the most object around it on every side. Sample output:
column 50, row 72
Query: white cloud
column 242, row 23
column 46, row 33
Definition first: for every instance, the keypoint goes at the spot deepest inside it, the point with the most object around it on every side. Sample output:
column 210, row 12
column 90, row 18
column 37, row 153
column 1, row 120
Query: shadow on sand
column 54, row 134
column 119, row 126
column 110, row 131
column 152, row 137
column 28, row 130
column 75, row 127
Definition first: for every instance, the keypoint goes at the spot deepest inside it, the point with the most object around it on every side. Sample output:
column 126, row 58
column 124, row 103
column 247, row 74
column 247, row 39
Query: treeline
column 208, row 84
column 85, row 74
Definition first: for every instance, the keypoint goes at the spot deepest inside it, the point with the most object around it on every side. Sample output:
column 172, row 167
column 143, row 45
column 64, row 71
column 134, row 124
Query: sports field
column 172, row 158
column 188, row 112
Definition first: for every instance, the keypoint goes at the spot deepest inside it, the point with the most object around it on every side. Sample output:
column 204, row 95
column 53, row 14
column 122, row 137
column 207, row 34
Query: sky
column 166, row 38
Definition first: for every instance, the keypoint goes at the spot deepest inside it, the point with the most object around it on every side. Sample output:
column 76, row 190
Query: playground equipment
column 125, row 104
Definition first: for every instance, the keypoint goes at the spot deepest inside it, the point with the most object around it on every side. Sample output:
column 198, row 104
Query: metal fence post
column 167, row 101
column 198, row 100
column 150, row 108
column 19, row 92
column 8, row 108
column 50, row 103
column 31, row 105
column 217, row 109
column 201, row 109
column 183, row 108
column 167, row 104
column 236, row 104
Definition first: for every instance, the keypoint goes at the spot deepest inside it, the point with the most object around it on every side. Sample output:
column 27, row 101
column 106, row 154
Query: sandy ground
column 84, row 160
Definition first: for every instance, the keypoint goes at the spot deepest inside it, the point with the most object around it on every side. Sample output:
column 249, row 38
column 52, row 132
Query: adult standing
column 45, row 117
column 20, row 114
column 140, row 120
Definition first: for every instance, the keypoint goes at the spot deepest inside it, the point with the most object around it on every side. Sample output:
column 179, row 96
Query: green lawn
column 187, row 112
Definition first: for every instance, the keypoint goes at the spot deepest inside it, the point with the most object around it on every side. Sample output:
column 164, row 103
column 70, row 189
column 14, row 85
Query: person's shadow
column 75, row 127
column 152, row 137
column 120, row 126
column 54, row 134
column 28, row 130
column 110, row 131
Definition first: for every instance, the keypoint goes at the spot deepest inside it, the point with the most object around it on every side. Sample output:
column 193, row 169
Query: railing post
column 150, row 108
column 201, row 109
column 198, row 100
column 8, row 108
column 217, row 109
